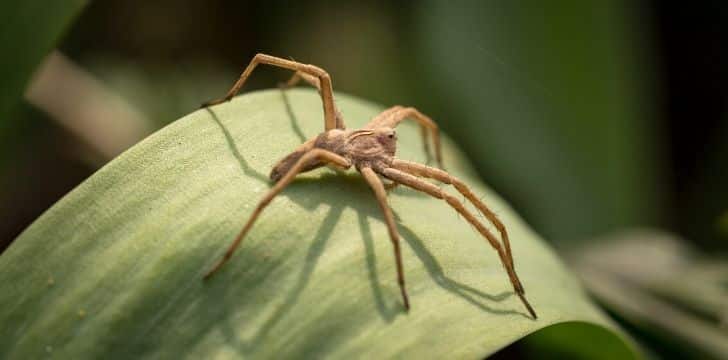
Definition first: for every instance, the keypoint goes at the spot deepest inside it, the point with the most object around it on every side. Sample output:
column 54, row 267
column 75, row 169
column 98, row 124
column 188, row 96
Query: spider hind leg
column 416, row 183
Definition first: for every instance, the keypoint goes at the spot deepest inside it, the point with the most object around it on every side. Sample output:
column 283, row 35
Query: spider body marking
column 371, row 151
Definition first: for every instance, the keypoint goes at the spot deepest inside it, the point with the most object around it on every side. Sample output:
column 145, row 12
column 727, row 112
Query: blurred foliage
column 330, row 271
column 677, row 301
column 39, row 163
column 163, row 93
column 28, row 31
column 551, row 104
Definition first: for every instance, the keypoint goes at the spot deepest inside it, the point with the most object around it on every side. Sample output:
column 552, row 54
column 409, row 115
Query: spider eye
column 391, row 135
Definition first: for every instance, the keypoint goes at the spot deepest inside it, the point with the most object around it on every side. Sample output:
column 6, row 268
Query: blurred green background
column 588, row 117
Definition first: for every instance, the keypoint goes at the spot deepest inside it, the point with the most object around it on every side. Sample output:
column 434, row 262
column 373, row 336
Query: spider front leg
column 428, row 188
column 444, row 177
column 379, row 191
column 324, row 80
column 396, row 114
column 302, row 163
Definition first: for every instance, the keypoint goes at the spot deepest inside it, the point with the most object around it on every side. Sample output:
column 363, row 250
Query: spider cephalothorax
column 371, row 151
column 373, row 148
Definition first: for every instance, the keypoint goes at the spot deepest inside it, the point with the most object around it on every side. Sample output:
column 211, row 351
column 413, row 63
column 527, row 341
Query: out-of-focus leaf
column 114, row 269
column 28, row 31
column 550, row 104
column 90, row 111
column 163, row 93
column 663, row 287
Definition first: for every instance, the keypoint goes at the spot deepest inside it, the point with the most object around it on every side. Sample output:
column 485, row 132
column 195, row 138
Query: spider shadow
column 244, row 166
column 369, row 209
column 473, row 296
column 296, row 192
column 313, row 254
column 291, row 115
column 388, row 306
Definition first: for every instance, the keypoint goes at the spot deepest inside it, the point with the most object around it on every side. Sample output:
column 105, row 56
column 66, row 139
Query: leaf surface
column 114, row 269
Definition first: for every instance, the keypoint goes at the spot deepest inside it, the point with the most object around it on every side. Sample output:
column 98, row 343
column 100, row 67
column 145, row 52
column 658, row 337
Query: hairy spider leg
column 396, row 114
column 376, row 184
column 331, row 121
column 428, row 188
column 312, row 155
column 444, row 177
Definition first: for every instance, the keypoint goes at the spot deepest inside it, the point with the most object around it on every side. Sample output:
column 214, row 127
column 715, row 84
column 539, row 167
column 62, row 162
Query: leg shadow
column 350, row 184
column 244, row 166
column 291, row 115
column 468, row 293
column 369, row 208
column 387, row 313
column 314, row 253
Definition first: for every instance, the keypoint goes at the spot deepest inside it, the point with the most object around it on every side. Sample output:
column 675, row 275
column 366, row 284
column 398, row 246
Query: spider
column 371, row 151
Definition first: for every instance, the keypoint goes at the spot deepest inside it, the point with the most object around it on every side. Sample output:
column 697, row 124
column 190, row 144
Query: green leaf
column 28, row 32
column 115, row 268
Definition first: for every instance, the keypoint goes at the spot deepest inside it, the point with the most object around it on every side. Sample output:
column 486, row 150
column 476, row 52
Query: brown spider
column 371, row 150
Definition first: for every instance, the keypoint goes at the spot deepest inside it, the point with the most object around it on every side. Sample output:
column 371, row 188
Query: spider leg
column 324, row 80
column 390, row 186
column 313, row 81
column 311, row 156
column 298, row 76
column 376, row 184
column 444, row 177
column 428, row 188
column 375, row 121
column 395, row 115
